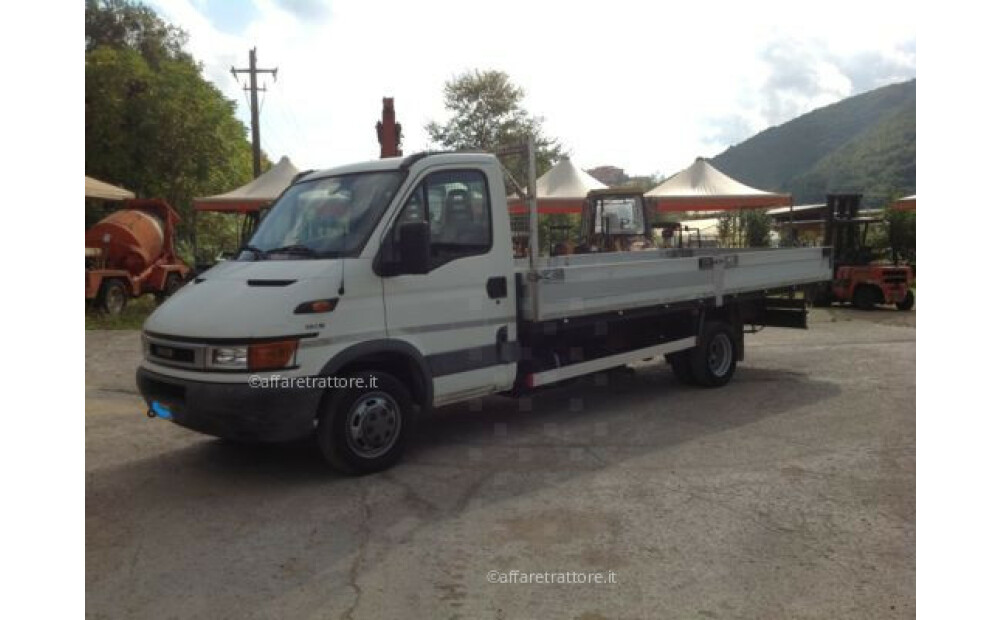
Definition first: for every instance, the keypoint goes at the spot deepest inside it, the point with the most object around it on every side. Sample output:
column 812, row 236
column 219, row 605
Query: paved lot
column 788, row 493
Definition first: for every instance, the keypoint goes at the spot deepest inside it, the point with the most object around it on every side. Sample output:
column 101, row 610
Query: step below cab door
column 461, row 314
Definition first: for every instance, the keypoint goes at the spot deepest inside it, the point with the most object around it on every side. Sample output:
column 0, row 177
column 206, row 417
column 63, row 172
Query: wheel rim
column 373, row 425
column 115, row 300
column 720, row 355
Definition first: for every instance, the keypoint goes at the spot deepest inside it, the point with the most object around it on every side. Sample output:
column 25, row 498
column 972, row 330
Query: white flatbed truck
column 376, row 290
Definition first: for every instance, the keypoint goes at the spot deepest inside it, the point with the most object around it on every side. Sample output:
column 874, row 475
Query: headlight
column 264, row 356
column 232, row 358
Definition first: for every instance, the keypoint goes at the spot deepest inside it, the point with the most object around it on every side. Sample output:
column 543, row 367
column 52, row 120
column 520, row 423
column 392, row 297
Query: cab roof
column 397, row 163
column 615, row 191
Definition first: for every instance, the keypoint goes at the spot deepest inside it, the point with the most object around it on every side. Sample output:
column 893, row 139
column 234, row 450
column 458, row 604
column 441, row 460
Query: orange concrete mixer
column 131, row 252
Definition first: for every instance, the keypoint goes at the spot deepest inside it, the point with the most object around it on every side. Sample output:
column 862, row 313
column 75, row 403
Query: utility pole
column 254, row 110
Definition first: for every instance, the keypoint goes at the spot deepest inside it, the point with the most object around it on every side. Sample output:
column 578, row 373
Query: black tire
column 112, row 298
column 172, row 284
column 865, row 298
column 377, row 418
column 907, row 303
column 713, row 361
column 680, row 363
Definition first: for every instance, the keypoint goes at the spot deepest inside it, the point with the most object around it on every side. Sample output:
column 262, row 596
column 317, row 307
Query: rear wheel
column 713, row 361
column 907, row 303
column 363, row 430
column 112, row 298
column 865, row 298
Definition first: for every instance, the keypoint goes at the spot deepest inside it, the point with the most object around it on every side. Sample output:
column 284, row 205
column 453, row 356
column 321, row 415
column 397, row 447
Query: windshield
column 325, row 218
column 620, row 216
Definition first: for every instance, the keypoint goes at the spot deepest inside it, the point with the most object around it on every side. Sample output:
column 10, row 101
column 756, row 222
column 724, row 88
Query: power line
column 275, row 144
column 289, row 120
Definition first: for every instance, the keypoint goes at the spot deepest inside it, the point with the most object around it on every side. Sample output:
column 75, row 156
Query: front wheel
column 713, row 361
column 907, row 303
column 363, row 428
column 865, row 298
column 112, row 298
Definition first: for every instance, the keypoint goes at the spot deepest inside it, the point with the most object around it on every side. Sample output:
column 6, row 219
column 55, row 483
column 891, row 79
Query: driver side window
column 456, row 204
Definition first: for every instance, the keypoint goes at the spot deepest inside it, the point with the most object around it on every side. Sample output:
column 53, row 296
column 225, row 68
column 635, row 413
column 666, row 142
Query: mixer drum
column 128, row 239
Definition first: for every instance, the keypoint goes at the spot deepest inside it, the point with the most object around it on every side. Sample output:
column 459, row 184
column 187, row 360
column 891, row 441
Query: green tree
column 901, row 230
column 120, row 24
column 153, row 123
column 487, row 112
column 555, row 228
column 745, row 228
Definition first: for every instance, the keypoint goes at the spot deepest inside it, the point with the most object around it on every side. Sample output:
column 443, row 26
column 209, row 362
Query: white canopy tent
column 700, row 187
column 566, row 180
column 258, row 193
column 561, row 190
column 99, row 189
column 909, row 203
column 804, row 209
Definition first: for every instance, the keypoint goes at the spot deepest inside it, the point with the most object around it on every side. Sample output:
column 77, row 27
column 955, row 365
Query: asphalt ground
column 789, row 493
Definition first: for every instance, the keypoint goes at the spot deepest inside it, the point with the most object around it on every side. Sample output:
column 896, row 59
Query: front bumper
column 233, row 410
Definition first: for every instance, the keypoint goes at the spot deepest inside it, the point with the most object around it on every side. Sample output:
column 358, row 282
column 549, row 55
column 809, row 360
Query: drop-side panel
column 579, row 285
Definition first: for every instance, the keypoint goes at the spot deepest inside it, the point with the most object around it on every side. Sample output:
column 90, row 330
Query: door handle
column 496, row 287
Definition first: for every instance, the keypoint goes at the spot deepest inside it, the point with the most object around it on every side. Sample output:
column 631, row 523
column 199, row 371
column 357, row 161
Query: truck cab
column 615, row 220
column 400, row 268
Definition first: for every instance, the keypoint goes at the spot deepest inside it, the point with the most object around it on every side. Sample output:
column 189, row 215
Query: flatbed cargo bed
column 584, row 284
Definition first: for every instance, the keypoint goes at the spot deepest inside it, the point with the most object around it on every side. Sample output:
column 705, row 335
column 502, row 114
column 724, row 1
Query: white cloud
column 638, row 85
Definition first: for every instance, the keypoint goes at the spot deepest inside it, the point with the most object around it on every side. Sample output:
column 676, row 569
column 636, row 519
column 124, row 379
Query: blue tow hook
column 157, row 410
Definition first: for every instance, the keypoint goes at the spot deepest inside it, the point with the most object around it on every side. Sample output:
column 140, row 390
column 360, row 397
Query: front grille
column 894, row 277
column 171, row 353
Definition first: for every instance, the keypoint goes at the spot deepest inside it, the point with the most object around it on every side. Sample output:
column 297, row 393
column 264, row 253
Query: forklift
column 858, row 278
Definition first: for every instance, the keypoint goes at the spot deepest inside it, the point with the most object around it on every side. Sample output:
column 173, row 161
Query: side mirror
column 414, row 248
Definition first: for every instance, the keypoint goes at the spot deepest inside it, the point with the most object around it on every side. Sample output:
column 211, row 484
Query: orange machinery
column 131, row 252
column 857, row 278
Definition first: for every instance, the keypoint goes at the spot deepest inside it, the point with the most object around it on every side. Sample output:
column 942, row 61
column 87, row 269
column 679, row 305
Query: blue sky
column 229, row 17
column 644, row 86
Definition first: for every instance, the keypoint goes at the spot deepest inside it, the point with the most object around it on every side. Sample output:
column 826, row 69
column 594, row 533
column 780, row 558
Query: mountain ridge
column 864, row 143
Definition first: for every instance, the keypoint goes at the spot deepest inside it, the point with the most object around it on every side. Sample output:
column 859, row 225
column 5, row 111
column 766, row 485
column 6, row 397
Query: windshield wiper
column 292, row 249
column 257, row 252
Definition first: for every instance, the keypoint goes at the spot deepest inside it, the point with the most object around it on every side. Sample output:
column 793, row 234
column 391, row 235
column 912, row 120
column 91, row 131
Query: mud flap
column 784, row 312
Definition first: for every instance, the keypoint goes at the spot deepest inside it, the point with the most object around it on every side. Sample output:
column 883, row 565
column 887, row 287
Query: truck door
column 461, row 315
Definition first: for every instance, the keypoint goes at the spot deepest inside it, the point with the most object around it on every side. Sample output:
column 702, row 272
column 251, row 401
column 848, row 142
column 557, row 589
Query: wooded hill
column 866, row 143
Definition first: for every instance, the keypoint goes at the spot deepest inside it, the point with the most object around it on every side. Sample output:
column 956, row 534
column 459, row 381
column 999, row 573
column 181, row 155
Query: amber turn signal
column 316, row 307
column 271, row 355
